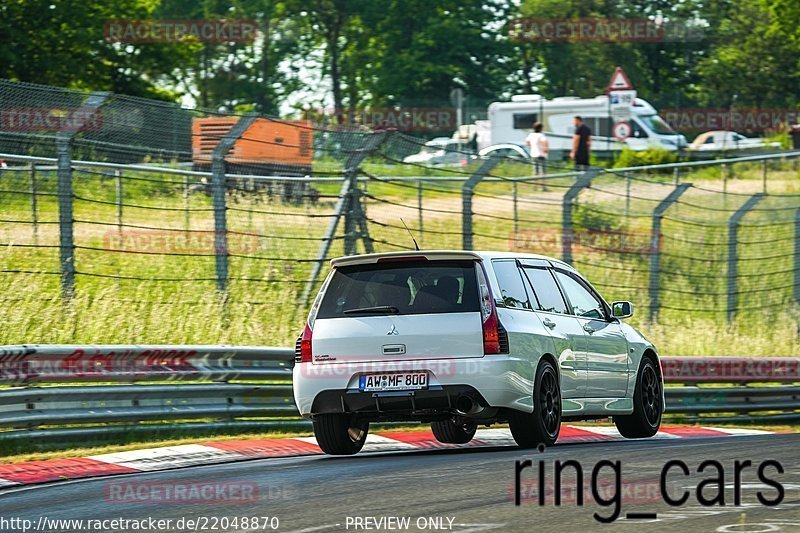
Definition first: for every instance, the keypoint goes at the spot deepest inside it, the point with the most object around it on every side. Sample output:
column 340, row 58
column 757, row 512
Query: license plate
column 393, row 381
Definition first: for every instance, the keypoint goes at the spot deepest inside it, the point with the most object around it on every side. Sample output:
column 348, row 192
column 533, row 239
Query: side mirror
column 621, row 309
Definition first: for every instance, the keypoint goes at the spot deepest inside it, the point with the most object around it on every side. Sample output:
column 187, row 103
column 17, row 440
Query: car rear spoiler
column 430, row 255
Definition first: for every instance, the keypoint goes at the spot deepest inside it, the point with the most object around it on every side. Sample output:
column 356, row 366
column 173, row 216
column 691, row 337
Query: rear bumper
column 494, row 381
column 422, row 405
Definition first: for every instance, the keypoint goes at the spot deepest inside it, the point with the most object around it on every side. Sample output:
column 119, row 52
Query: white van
column 511, row 122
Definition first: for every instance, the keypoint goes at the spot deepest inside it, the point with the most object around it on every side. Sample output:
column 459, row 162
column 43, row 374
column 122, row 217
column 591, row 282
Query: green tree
column 235, row 76
column 755, row 59
column 62, row 43
column 657, row 69
column 421, row 50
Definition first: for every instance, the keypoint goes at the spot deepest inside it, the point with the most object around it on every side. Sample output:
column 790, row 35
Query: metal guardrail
column 77, row 391
column 245, row 387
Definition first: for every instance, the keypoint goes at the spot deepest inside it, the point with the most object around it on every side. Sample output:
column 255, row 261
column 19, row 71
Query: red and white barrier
column 169, row 457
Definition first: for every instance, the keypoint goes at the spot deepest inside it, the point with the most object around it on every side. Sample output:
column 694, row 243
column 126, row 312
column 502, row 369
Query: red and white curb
column 169, row 457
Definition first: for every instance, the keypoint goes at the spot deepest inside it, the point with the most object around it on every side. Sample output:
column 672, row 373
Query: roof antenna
column 416, row 246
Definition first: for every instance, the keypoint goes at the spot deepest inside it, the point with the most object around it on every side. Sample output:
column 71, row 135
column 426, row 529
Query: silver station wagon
column 460, row 339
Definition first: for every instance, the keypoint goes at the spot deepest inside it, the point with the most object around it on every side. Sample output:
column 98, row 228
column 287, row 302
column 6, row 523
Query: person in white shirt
column 539, row 148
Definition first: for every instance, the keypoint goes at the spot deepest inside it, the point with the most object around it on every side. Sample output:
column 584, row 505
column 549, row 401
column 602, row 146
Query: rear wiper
column 386, row 309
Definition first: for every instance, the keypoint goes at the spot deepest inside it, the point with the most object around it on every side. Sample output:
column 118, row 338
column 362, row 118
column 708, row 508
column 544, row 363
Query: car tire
column 452, row 432
column 340, row 434
column 544, row 423
column 648, row 404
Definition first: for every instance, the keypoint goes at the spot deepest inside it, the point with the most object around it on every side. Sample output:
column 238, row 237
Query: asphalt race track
column 459, row 489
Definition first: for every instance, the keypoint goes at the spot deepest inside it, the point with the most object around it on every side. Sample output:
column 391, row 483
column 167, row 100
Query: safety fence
column 142, row 214
column 58, row 391
column 137, row 231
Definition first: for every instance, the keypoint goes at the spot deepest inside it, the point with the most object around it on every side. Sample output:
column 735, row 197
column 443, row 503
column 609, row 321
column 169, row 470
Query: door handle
column 549, row 323
column 588, row 328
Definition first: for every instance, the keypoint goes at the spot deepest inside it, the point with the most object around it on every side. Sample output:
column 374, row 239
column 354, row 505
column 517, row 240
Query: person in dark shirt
column 581, row 144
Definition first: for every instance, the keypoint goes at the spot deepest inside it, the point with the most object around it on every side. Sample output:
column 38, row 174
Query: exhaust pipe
column 466, row 405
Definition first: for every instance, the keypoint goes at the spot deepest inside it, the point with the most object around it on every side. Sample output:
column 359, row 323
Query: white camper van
column 510, row 122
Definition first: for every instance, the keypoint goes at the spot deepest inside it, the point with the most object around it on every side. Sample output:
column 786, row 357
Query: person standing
column 538, row 148
column 581, row 144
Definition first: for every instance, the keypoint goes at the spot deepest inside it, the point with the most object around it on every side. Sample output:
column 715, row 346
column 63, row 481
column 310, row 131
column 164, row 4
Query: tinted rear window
column 413, row 287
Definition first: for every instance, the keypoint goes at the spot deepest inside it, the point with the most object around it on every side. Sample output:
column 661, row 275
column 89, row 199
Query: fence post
column 466, row 199
column 65, row 215
column 361, row 222
column 797, row 256
column 724, row 167
column 627, row 195
column 34, row 205
column 421, row 230
column 118, row 175
column 516, row 209
column 65, row 199
column 347, row 196
column 582, row 181
column 218, row 191
column 655, row 247
column 354, row 220
column 733, row 244
column 350, row 237
column 186, row 220
column 327, row 239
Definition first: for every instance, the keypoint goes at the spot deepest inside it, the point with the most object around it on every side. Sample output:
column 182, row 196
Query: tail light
column 302, row 348
column 305, row 345
column 493, row 332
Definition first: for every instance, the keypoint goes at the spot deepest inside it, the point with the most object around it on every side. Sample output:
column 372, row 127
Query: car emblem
column 392, row 331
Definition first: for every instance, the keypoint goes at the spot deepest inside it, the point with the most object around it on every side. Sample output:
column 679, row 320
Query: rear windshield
column 401, row 287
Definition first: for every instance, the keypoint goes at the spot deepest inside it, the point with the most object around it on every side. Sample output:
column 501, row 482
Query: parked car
column 462, row 338
column 507, row 150
column 727, row 140
column 441, row 151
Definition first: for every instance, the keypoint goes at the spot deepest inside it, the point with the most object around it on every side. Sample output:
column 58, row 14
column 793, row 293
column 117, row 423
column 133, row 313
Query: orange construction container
column 268, row 145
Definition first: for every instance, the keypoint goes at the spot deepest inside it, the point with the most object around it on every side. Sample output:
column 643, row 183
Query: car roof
column 441, row 254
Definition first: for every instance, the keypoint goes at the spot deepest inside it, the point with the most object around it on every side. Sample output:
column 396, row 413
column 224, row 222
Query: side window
column 524, row 121
column 604, row 126
column 638, row 131
column 582, row 301
column 546, row 290
column 511, row 287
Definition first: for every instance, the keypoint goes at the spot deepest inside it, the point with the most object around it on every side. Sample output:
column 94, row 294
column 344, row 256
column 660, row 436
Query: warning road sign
column 619, row 81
